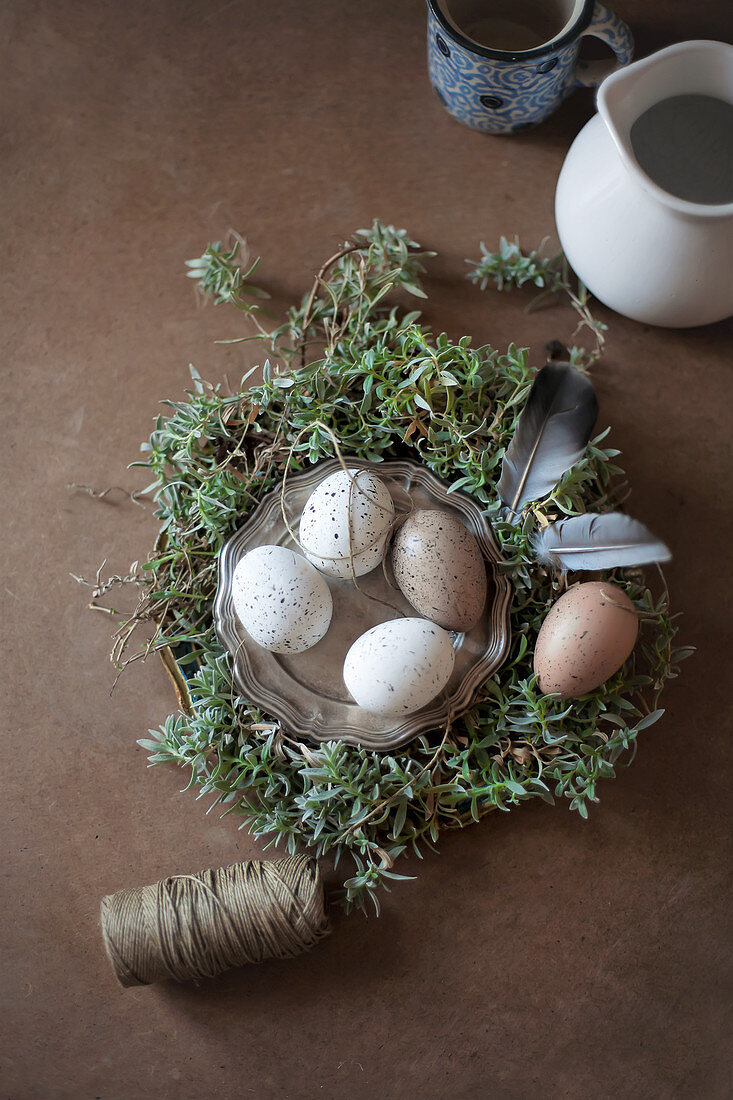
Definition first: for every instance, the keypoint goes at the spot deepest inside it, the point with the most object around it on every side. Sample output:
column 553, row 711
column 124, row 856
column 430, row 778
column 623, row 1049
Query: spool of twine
column 189, row 927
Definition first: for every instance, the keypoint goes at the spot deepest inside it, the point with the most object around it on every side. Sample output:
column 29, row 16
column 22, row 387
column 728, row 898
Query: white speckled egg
column 439, row 568
column 397, row 667
column 284, row 604
column 586, row 637
column 348, row 513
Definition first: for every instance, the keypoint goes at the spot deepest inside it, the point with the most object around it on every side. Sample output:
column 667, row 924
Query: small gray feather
column 598, row 542
column 551, row 435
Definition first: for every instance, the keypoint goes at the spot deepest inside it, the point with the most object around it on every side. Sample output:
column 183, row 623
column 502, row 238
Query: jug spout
column 695, row 68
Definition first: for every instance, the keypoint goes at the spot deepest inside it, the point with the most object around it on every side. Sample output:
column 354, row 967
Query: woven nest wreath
column 347, row 361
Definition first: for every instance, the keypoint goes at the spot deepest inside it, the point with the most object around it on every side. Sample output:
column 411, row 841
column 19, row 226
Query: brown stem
column 352, row 247
column 413, row 779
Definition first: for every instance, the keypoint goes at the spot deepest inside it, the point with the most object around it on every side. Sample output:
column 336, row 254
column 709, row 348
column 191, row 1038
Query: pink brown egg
column 585, row 638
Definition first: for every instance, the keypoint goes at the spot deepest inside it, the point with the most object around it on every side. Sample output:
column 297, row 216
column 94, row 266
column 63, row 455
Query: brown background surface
column 535, row 954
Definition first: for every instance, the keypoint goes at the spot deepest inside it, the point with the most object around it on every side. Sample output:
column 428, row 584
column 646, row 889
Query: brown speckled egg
column 586, row 637
column 439, row 568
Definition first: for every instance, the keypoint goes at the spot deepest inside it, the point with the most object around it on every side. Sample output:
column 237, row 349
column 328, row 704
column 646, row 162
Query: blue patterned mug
column 504, row 65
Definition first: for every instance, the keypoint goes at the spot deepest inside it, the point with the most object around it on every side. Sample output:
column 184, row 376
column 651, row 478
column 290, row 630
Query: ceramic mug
column 502, row 66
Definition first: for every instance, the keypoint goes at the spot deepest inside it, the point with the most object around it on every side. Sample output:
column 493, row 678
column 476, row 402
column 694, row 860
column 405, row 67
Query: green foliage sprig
column 219, row 273
column 510, row 268
column 387, row 387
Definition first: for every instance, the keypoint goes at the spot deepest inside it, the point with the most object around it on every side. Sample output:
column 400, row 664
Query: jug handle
column 607, row 26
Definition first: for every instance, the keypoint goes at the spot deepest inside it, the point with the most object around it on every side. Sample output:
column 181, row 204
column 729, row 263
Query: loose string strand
column 396, row 518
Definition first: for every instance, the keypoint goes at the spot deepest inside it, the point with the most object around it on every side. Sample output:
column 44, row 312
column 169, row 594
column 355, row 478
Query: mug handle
column 607, row 26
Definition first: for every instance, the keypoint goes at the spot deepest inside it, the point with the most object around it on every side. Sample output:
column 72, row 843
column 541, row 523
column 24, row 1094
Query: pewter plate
column 306, row 691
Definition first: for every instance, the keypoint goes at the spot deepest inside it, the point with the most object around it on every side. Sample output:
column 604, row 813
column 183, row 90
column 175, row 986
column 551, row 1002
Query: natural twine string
column 194, row 926
column 397, row 518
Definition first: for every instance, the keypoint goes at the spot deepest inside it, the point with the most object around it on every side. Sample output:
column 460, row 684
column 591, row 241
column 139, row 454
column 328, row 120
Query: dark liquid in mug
column 501, row 33
column 511, row 25
column 685, row 145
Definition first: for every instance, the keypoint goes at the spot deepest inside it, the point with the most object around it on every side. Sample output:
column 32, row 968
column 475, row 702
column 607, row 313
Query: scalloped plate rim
column 436, row 714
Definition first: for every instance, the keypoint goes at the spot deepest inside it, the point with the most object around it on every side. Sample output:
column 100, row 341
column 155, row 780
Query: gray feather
column 551, row 435
column 598, row 542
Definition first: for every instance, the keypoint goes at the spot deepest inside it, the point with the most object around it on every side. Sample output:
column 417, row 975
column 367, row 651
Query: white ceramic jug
column 640, row 249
